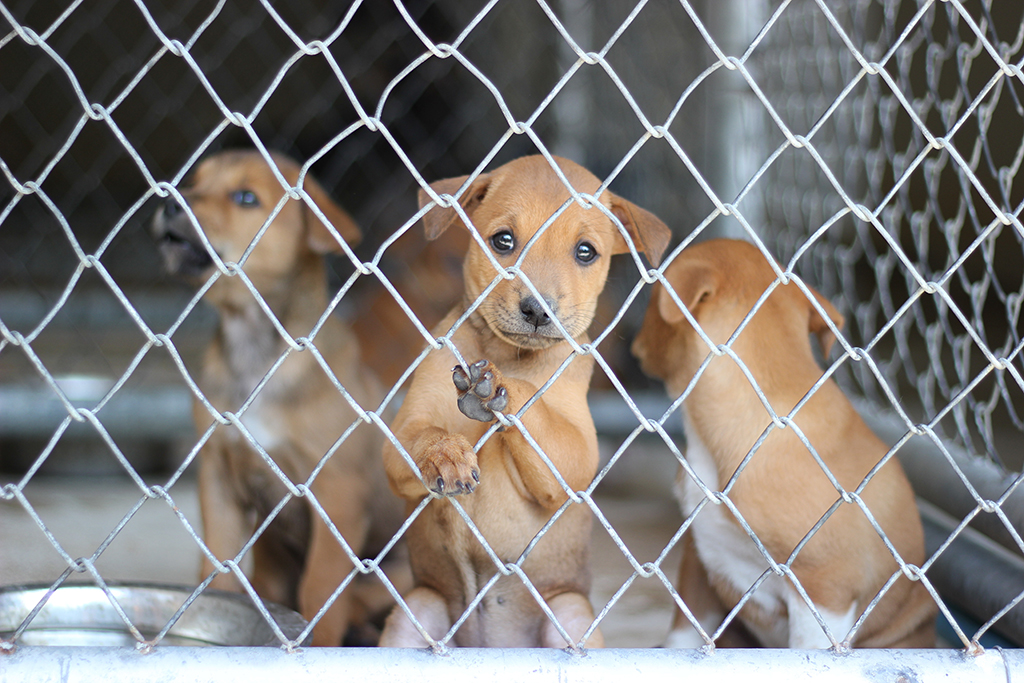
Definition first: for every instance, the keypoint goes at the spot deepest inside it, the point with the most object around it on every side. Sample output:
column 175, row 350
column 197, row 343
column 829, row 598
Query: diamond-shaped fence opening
column 869, row 150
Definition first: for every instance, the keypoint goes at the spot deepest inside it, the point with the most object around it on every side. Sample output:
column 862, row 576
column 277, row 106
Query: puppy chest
column 250, row 467
column 730, row 556
column 264, row 424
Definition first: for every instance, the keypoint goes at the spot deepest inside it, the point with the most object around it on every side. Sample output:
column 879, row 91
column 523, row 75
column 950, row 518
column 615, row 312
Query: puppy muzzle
column 531, row 326
column 182, row 251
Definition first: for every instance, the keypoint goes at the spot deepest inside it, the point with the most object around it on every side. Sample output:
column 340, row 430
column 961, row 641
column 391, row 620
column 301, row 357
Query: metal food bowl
column 82, row 615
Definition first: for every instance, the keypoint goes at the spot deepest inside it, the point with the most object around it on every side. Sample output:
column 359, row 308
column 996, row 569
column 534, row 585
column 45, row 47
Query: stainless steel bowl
column 82, row 615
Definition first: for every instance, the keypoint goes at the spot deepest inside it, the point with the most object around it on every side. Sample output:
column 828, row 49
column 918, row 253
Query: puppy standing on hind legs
column 512, row 348
column 298, row 415
column 782, row 492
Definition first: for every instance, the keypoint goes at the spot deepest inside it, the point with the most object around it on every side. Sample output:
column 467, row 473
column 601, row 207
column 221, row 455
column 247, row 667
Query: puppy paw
column 449, row 466
column 480, row 390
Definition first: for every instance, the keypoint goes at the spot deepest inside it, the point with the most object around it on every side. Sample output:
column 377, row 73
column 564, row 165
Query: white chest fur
column 251, row 347
column 724, row 548
column 730, row 555
column 264, row 425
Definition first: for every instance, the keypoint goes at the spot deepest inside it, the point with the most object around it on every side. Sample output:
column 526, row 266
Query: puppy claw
column 476, row 476
column 449, row 465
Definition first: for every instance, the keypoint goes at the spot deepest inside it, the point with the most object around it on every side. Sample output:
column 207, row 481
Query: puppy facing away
column 511, row 348
column 298, row 415
column 782, row 492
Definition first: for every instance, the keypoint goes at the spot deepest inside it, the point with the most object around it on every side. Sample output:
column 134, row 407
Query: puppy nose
column 533, row 312
column 172, row 209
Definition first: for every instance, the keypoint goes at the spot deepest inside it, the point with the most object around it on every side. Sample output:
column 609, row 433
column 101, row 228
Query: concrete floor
column 80, row 512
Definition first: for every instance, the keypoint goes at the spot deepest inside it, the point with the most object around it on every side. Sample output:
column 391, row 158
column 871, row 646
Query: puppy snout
column 172, row 209
column 533, row 312
column 181, row 250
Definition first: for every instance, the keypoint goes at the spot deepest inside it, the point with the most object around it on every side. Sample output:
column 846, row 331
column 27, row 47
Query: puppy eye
column 247, row 199
column 585, row 252
column 503, row 242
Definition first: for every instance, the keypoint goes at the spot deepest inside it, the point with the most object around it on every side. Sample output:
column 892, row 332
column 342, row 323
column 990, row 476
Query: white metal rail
column 71, row 665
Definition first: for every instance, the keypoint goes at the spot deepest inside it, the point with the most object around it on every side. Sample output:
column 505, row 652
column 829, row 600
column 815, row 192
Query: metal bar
column 160, row 412
column 254, row 665
column 736, row 133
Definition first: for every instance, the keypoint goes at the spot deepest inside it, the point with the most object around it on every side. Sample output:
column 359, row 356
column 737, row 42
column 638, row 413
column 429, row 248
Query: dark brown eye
column 503, row 242
column 585, row 252
column 246, row 199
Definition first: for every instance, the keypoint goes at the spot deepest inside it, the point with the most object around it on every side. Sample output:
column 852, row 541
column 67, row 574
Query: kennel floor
column 153, row 546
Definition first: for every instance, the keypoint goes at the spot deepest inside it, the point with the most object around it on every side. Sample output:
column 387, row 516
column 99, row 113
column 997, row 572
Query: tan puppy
column 782, row 492
column 298, row 415
column 512, row 348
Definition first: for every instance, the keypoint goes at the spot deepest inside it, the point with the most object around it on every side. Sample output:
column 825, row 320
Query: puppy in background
column 782, row 492
column 428, row 277
column 511, row 347
column 298, row 415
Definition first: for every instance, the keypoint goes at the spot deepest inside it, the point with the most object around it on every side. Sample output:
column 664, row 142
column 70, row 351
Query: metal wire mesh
column 880, row 146
column 931, row 147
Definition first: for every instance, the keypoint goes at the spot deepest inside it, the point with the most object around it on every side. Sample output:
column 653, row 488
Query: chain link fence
column 872, row 147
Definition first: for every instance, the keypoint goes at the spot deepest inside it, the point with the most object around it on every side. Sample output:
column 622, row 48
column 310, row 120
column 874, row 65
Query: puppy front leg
column 327, row 563
column 226, row 526
column 274, row 572
column 575, row 614
column 431, row 611
column 484, row 390
column 446, row 462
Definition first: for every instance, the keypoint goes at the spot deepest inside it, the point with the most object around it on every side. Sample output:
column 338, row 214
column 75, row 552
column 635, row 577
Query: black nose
column 172, row 209
column 533, row 313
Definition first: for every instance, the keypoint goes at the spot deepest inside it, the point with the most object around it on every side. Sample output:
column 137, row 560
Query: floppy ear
column 649, row 233
column 319, row 237
column 693, row 282
column 818, row 326
column 439, row 219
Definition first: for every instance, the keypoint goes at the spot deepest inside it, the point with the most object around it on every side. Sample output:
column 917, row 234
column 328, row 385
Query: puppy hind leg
column 431, row 612
column 574, row 612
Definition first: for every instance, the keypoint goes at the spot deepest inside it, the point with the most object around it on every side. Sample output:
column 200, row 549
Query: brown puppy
column 782, row 492
column 428, row 276
column 511, row 348
column 298, row 415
